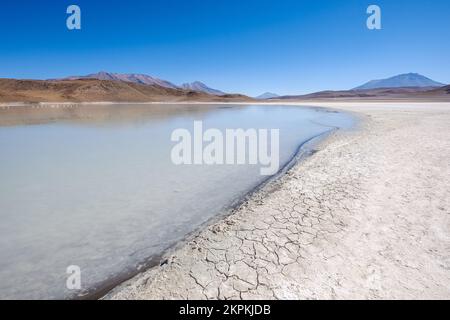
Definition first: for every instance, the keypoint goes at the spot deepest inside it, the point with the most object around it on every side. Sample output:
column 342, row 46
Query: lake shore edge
column 304, row 150
column 116, row 286
column 304, row 239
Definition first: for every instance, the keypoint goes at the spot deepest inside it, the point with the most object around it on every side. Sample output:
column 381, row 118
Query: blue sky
column 282, row 46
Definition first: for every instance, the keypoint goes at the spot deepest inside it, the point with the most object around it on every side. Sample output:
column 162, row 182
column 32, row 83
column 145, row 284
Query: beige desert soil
column 365, row 217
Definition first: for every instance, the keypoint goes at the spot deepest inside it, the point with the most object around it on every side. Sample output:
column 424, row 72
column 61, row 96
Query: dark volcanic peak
column 201, row 87
column 401, row 81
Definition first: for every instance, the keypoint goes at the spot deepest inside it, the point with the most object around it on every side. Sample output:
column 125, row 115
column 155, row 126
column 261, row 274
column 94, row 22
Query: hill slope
column 92, row 90
column 405, row 94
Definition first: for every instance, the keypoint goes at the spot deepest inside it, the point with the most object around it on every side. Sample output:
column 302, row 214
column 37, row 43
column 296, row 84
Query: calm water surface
column 94, row 186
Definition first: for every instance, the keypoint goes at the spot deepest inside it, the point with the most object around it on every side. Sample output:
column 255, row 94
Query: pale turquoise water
column 104, row 194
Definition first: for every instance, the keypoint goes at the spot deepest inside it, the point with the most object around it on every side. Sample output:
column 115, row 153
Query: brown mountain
column 409, row 93
column 127, row 77
column 92, row 90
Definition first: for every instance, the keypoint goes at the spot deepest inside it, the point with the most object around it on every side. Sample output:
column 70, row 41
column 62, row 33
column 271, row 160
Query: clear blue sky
column 283, row 46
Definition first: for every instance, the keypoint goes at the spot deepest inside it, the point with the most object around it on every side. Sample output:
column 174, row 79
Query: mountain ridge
column 141, row 78
column 127, row 77
column 94, row 90
column 379, row 94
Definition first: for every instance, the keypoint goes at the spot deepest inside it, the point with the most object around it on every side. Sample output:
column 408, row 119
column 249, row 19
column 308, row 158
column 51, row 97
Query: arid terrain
column 104, row 90
column 94, row 90
column 367, row 216
column 424, row 94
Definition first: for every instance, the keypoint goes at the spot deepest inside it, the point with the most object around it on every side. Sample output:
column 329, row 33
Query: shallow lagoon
column 94, row 186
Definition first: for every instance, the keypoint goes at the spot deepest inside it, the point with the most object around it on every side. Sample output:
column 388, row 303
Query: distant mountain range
column 401, row 81
column 127, row 77
column 88, row 89
column 267, row 95
column 105, row 86
column 379, row 94
column 148, row 80
column 409, row 86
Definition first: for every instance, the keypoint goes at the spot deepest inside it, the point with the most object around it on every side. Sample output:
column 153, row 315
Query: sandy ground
column 365, row 217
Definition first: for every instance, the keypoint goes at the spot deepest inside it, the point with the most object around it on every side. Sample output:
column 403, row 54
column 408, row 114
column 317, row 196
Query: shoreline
column 186, row 264
column 317, row 102
column 220, row 263
column 302, row 152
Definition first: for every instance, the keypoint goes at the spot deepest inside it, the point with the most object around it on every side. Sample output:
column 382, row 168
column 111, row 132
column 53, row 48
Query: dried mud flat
column 365, row 217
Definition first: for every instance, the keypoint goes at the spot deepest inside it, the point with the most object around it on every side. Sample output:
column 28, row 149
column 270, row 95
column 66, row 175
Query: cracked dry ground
column 365, row 217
